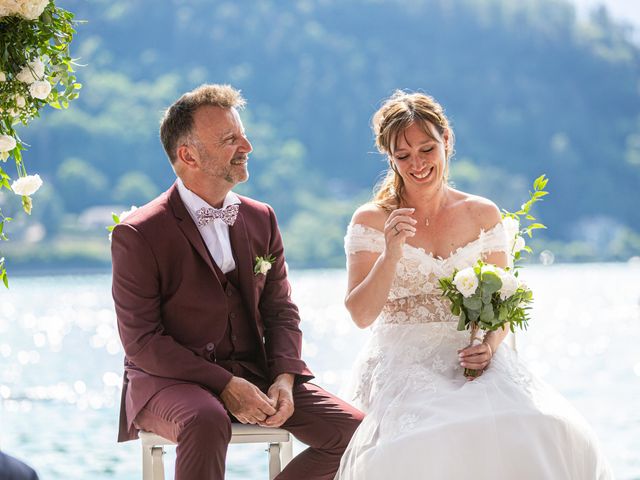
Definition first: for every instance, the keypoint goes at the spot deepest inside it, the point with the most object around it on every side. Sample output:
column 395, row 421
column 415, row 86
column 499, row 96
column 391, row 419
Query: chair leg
column 274, row 460
column 147, row 473
column 286, row 453
column 157, row 464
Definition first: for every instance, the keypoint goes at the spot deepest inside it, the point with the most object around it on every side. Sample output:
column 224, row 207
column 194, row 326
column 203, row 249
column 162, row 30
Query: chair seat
column 240, row 433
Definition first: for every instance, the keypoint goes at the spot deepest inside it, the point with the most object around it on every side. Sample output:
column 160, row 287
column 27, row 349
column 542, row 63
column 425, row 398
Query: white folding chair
column 279, row 440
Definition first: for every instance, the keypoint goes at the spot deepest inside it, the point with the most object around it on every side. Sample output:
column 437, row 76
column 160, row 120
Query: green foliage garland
column 36, row 69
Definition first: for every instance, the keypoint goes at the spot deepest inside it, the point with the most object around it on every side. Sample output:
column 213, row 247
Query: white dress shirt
column 216, row 233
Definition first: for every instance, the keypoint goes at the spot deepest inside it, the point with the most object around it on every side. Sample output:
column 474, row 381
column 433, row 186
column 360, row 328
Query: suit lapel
column 240, row 244
column 185, row 222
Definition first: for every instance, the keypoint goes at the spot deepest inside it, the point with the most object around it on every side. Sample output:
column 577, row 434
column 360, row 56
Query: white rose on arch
column 32, row 72
column 27, row 186
column 32, row 9
column 40, row 89
column 7, row 143
column 29, row 9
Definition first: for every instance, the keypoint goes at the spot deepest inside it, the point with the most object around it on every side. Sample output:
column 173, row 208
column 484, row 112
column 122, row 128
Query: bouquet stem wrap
column 473, row 341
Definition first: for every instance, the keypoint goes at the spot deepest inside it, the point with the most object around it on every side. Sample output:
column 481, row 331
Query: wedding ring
column 395, row 227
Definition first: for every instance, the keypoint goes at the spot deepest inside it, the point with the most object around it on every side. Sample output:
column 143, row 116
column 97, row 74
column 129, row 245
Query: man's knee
column 208, row 424
column 347, row 428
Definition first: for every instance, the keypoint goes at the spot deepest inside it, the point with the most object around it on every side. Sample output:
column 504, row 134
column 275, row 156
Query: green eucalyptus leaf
column 487, row 314
column 474, row 302
column 491, row 282
column 473, row 315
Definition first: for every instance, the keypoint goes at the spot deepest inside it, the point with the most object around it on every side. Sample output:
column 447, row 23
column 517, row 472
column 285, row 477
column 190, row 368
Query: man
column 204, row 310
column 13, row 469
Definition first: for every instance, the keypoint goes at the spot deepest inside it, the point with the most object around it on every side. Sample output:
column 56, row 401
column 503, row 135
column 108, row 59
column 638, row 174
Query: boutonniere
column 263, row 264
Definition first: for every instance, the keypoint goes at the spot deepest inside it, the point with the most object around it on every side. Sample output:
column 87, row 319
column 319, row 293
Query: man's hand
column 281, row 394
column 246, row 402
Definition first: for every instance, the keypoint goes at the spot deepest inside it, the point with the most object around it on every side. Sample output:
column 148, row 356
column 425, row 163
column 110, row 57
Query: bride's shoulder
column 370, row 215
column 481, row 211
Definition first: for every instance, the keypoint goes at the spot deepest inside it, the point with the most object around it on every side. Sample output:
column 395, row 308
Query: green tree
column 80, row 184
column 134, row 188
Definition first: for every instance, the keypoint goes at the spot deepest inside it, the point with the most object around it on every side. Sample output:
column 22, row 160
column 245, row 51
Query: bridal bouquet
column 486, row 297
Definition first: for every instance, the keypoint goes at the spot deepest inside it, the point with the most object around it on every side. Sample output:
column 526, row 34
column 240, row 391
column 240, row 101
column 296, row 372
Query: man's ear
column 187, row 156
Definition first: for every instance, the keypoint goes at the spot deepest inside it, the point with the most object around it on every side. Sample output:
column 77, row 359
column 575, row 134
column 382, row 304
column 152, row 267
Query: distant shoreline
column 21, row 272
column 17, row 272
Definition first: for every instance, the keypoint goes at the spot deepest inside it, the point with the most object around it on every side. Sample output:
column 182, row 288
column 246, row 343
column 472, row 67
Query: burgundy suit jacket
column 171, row 307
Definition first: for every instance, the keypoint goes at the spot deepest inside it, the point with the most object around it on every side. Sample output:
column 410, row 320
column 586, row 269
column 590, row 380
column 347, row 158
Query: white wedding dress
column 424, row 420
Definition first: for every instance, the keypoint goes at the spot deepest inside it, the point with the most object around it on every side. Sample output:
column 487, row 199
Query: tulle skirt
column 424, row 420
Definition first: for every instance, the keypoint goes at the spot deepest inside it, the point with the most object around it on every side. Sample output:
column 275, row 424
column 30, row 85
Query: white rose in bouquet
column 7, row 143
column 466, row 281
column 509, row 284
column 488, row 268
column 33, row 72
column 40, row 89
column 27, row 186
column 3, row 77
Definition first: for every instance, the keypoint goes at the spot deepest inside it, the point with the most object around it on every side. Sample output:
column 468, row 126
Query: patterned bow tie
column 227, row 214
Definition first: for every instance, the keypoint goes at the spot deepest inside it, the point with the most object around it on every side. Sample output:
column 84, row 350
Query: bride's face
column 421, row 159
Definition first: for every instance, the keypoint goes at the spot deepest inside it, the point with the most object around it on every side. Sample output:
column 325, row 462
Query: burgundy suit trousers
column 197, row 421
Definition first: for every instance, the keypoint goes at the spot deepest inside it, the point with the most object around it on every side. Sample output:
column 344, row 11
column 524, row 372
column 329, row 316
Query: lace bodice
column 414, row 296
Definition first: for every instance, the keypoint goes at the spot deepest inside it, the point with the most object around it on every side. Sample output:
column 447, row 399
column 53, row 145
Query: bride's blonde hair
column 397, row 113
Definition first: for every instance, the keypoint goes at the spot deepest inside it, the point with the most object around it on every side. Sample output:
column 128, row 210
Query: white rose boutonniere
column 263, row 264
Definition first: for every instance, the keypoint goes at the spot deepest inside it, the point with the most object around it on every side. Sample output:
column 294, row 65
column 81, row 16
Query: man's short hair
column 177, row 121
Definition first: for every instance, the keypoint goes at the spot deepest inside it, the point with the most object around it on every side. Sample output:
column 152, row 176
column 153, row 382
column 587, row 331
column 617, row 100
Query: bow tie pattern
column 227, row 214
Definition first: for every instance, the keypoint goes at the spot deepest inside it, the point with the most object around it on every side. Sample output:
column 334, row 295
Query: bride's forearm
column 365, row 301
column 495, row 338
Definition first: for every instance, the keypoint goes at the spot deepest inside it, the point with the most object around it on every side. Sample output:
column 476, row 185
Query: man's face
column 222, row 147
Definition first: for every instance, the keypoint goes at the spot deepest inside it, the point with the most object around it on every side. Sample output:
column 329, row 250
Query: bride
column 424, row 420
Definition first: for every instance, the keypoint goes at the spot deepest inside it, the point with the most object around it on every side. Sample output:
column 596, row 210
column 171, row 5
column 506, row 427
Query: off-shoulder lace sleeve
column 495, row 240
column 362, row 238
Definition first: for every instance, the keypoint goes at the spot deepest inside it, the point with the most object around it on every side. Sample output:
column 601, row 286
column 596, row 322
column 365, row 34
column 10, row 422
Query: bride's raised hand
column 399, row 226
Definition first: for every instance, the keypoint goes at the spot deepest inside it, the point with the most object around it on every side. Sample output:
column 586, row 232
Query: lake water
column 60, row 364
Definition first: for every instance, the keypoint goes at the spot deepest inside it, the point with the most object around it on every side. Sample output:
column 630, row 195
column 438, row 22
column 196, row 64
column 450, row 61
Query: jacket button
column 229, row 293
column 234, row 338
column 209, row 347
column 232, row 315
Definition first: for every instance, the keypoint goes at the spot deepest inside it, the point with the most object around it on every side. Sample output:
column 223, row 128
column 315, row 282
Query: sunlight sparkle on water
column 62, row 363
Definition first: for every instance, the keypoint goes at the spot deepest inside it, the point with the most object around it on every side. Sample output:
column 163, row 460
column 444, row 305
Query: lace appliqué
column 414, row 296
